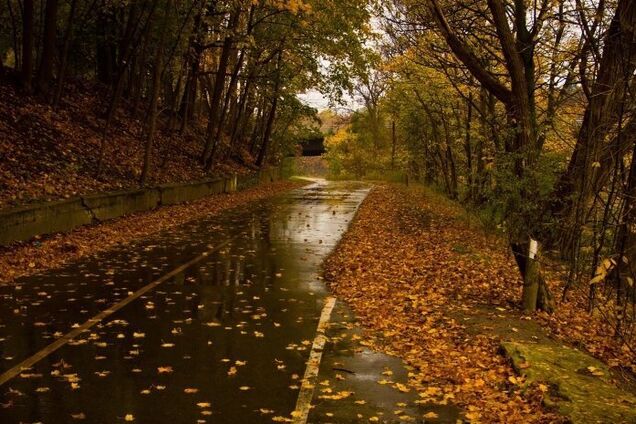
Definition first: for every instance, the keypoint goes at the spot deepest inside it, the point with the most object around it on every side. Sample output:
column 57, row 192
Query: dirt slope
column 53, row 154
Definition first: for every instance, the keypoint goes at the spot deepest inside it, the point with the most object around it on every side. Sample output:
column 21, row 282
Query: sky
column 316, row 99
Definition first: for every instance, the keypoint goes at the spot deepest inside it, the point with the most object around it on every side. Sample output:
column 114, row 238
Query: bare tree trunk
column 242, row 117
column 138, row 72
column 443, row 165
column 154, row 99
column 66, row 46
column 262, row 154
column 259, row 123
column 14, row 34
column 576, row 187
column 393, row 143
column 469, row 149
column 535, row 294
column 174, row 104
column 45, row 72
column 217, row 92
column 27, row 46
column 195, row 51
column 105, row 50
column 625, row 250
column 231, row 95
column 450, row 159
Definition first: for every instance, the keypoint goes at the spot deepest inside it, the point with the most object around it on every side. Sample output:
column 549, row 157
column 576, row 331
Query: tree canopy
column 235, row 65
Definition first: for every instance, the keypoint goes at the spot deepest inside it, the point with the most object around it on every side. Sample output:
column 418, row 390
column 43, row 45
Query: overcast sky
column 315, row 99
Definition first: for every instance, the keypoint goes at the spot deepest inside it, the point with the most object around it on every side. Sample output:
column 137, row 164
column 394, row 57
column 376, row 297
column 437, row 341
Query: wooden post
column 531, row 278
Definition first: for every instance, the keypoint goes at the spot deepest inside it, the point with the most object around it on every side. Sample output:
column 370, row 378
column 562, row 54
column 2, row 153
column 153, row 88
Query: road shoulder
column 418, row 275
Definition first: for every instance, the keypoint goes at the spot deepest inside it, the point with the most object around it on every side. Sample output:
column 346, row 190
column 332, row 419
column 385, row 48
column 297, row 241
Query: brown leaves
column 164, row 370
column 337, row 396
column 410, row 268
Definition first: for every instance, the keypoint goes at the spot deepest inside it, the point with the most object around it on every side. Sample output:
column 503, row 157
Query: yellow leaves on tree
column 294, row 6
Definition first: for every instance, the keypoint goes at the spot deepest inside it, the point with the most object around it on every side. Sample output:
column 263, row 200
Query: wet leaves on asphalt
column 247, row 310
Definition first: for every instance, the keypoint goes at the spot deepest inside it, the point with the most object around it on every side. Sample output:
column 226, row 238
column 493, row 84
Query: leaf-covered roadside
column 409, row 266
column 22, row 259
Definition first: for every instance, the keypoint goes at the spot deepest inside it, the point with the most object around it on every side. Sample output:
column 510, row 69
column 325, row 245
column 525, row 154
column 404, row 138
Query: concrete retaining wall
column 264, row 176
column 172, row 194
column 26, row 222
column 105, row 206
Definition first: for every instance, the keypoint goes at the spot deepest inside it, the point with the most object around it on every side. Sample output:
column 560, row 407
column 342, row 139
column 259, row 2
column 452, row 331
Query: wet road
column 224, row 339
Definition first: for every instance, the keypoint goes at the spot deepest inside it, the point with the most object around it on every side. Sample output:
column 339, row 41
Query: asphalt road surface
column 222, row 320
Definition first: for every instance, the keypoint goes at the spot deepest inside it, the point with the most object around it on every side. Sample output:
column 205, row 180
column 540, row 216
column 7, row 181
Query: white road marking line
column 303, row 404
column 32, row 360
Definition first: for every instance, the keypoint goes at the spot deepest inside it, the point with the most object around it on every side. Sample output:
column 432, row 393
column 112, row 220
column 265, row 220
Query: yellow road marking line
column 303, row 404
column 32, row 360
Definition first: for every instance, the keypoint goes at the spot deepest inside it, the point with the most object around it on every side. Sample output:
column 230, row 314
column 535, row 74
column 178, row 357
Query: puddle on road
column 375, row 382
column 223, row 342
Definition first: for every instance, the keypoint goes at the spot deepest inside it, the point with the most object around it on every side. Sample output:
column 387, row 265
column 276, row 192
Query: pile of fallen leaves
column 28, row 258
column 48, row 153
column 410, row 265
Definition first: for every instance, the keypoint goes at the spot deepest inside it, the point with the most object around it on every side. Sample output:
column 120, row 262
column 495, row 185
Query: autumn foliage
column 415, row 267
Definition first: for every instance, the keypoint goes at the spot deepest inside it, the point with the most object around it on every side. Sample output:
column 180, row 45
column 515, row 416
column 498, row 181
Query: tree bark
column 14, row 36
column 260, row 161
column 450, row 159
column 625, row 249
column 65, row 48
column 45, row 72
column 194, row 64
column 217, row 91
column 469, row 149
column 154, row 99
column 393, row 143
column 27, row 46
column 577, row 186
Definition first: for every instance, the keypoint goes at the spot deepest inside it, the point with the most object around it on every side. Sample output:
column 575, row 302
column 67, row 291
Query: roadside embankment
column 435, row 289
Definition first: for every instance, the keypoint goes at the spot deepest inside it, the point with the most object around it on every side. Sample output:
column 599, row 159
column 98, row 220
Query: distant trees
column 49, row 33
column 226, row 65
column 27, row 44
